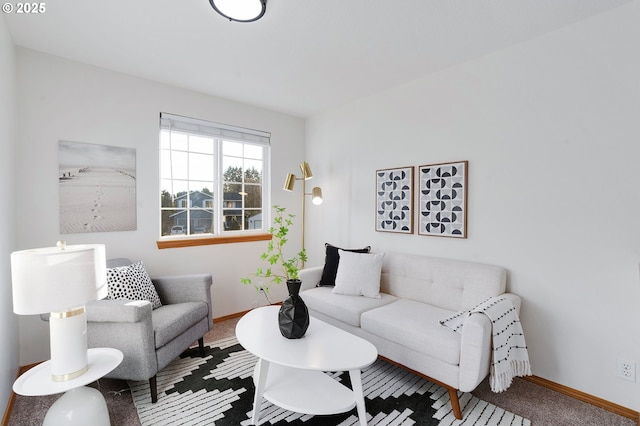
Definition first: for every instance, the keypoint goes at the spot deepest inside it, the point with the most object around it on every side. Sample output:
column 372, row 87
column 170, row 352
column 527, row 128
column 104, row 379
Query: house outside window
column 183, row 202
column 214, row 178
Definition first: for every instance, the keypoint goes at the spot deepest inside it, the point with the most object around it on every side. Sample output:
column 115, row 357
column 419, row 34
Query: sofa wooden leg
column 154, row 389
column 201, row 346
column 455, row 403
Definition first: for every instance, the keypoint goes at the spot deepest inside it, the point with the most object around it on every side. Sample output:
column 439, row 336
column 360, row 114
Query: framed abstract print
column 443, row 200
column 394, row 200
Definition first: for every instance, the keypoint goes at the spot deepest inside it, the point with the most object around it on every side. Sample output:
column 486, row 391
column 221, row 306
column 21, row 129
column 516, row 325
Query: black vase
column 293, row 317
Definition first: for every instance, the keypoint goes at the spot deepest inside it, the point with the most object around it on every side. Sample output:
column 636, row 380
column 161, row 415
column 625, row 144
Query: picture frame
column 394, row 200
column 97, row 188
column 443, row 199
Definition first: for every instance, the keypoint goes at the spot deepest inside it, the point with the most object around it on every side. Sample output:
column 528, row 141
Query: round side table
column 80, row 405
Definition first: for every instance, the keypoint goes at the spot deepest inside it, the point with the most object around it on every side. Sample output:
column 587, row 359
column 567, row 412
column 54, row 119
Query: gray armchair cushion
column 170, row 321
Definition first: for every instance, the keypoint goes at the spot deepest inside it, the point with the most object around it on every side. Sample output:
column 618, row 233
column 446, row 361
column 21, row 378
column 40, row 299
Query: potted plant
column 293, row 317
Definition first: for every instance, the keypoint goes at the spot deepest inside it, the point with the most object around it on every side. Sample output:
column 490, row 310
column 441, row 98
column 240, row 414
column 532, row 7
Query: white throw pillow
column 359, row 274
column 132, row 282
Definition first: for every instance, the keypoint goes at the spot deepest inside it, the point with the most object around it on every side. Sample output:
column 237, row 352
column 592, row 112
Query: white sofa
column 416, row 292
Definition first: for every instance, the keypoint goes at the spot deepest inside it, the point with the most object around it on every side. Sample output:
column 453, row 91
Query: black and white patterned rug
column 218, row 390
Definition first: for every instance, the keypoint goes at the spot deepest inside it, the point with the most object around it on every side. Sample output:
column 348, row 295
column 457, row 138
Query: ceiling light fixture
column 240, row 10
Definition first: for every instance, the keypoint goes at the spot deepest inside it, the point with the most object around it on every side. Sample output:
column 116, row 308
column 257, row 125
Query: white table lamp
column 61, row 280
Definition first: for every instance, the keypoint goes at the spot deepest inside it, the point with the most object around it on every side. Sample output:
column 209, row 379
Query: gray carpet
column 542, row 406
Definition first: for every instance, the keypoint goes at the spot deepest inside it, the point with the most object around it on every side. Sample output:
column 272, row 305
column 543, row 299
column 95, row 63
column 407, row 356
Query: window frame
column 225, row 133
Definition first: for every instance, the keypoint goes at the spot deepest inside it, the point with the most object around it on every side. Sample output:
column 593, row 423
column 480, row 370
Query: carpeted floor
column 542, row 406
column 218, row 389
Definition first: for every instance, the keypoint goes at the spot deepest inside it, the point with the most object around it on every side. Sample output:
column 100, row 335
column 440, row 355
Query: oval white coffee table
column 289, row 372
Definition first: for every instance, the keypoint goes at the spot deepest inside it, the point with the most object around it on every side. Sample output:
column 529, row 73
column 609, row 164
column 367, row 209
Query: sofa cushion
column 347, row 309
column 415, row 325
column 131, row 282
column 331, row 262
column 169, row 321
column 359, row 274
column 449, row 284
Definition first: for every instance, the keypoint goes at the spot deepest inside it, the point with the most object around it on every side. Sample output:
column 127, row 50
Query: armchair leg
column 201, row 346
column 455, row 403
column 154, row 389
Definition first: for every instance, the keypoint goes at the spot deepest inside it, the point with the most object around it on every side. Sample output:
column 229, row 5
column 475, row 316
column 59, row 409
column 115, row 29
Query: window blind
column 174, row 122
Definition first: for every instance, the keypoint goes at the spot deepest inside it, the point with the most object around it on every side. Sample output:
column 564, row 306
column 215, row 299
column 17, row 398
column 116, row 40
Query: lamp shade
column 240, row 10
column 289, row 182
column 316, row 195
column 306, row 171
column 55, row 279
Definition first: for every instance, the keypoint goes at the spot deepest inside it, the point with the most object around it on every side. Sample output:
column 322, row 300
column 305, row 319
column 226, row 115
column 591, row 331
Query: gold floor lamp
column 316, row 192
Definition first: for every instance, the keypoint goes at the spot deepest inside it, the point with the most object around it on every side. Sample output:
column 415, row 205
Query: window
column 214, row 178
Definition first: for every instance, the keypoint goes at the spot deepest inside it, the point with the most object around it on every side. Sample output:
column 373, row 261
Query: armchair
column 151, row 338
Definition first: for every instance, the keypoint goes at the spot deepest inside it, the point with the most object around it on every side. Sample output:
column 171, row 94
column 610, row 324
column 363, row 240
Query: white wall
column 550, row 130
column 8, row 321
column 59, row 99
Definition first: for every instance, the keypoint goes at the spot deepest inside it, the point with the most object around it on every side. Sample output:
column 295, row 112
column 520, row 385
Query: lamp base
column 78, row 407
column 68, row 341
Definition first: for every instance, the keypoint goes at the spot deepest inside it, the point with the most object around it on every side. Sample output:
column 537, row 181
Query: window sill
column 206, row 241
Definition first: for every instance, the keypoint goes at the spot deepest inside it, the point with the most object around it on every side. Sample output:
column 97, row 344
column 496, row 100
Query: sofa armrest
column 310, row 277
column 185, row 288
column 515, row 299
column 118, row 311
column 475, row 351
column 125, row 325
column 475, row 347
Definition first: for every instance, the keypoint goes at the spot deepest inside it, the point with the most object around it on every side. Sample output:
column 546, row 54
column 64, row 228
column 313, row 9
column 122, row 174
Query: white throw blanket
column 509, row 358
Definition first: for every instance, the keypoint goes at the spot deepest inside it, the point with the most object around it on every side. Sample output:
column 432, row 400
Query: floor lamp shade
column 316, row 195
column 289, row 182
column 61, row 280
column 306, row 170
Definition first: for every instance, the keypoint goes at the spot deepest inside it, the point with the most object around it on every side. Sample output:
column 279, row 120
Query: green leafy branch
column 280, row 268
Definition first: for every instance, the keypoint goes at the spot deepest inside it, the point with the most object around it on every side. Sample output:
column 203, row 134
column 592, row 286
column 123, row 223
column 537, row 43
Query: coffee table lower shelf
column 289, row 372
column 305, row 391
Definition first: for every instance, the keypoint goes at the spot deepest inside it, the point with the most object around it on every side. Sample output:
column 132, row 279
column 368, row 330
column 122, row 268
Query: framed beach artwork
column 394, row 200
column 97, row 188
column 443, row 199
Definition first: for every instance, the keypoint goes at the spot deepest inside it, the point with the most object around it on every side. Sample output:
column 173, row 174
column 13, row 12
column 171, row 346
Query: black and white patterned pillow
column 132, row 283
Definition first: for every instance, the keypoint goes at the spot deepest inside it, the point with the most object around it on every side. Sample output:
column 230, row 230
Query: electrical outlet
column 626, row 369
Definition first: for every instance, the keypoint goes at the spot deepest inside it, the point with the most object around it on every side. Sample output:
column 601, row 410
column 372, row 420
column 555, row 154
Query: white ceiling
column 303, row 56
